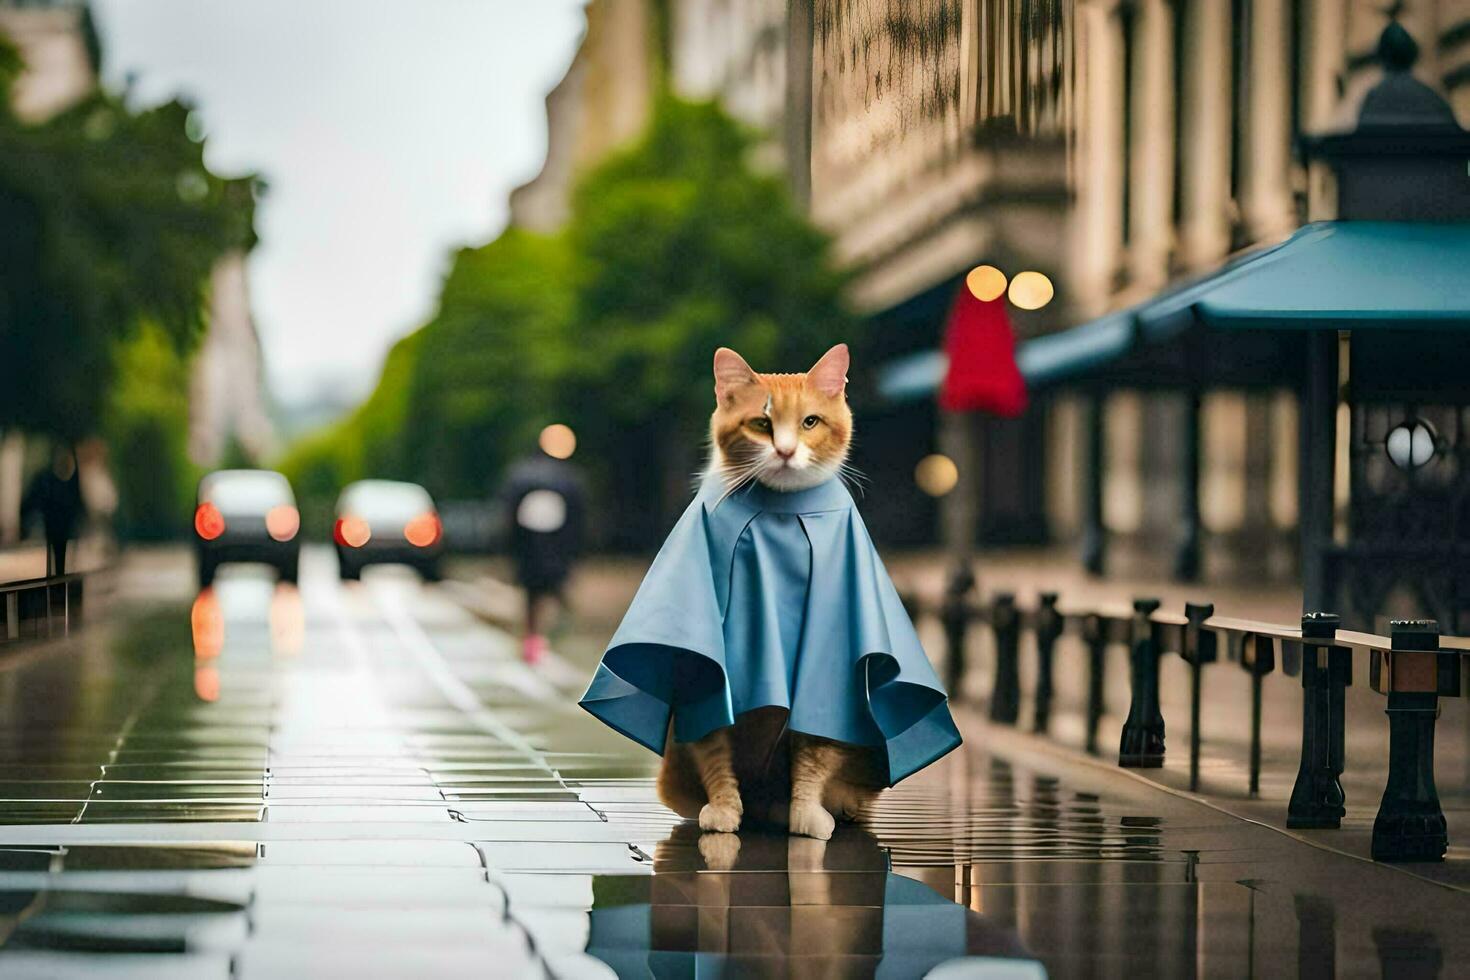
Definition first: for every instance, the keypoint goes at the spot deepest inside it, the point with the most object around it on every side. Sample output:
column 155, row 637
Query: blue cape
column 731, row 618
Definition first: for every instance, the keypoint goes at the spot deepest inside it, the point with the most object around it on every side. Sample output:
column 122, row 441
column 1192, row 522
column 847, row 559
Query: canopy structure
column 1355, row 275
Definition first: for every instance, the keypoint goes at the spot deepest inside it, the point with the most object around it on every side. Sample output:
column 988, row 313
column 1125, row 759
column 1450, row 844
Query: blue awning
column 1352, row 275
column 1331, row 275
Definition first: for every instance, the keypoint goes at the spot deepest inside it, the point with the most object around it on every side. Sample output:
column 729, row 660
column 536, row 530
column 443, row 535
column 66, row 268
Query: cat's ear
column 829, row 374
column 731, row 373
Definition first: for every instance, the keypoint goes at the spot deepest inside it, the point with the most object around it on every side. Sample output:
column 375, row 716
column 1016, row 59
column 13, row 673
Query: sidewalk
column 602, row 588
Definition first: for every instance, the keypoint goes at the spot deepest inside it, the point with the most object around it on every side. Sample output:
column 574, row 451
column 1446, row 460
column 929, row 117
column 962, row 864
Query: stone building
column 1120, row 147
column 601, row 103
column 227, row 384
column 1188, row 132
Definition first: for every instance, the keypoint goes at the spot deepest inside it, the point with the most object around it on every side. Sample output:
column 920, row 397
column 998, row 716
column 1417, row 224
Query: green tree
column 682, row 248
column 489, row 362
column 147, row 428
column 111, row 219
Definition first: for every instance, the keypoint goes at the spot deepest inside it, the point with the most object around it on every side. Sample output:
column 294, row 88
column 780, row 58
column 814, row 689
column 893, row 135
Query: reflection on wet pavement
column 365, row 781
column 772, row 905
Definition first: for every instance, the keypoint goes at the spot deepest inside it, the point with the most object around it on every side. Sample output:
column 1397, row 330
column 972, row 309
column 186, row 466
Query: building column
column 1151, row 189
column 1100, row 179
column 959, row 509
column 12, row 477
column 1322, row 49
column 1205, row 115
column 1267, row 203
column 798, row 113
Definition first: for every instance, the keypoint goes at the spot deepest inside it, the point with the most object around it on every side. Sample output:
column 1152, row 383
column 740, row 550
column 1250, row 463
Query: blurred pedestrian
column 544, row 503
column 56, row 496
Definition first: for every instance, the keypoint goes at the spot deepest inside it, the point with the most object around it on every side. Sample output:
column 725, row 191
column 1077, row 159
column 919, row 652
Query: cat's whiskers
column 736, row 478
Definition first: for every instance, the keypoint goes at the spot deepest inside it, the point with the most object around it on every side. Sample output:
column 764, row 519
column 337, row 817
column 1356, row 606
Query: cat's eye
column 811, row 421
column 760, row 424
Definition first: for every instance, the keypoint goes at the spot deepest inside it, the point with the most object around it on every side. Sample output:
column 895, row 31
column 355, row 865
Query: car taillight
column 282, row 522
column 423, row 530
column 209, row 523
column 352, row 532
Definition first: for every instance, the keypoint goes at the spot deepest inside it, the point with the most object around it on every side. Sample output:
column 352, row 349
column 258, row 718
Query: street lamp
column 1411, row 444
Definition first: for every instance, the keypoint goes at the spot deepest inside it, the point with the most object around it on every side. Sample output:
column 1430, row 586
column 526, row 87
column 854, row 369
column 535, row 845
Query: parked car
column 387, row 522
column 246, row 516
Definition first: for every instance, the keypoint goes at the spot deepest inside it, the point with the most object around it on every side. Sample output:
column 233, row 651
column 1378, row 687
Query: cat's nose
column 785, row 453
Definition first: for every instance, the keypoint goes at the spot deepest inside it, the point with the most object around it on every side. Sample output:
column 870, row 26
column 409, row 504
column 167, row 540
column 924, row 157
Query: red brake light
column 424, row 530
column 352, row 532
column 209, row 523
column 282, row 522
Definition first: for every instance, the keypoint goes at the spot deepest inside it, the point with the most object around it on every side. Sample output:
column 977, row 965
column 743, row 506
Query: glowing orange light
column 936, row 475
column 208, row 625
column 423, row 530
column 282, row 522
column 558, row 441
column 352, row 532
column 986, row 282
column 1031, row 290
column 206, row 683
column 209, row 523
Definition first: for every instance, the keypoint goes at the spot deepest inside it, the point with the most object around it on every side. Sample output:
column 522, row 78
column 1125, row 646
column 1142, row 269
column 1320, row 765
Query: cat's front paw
column 719, row 851
column 810, row 819
column 721, row 817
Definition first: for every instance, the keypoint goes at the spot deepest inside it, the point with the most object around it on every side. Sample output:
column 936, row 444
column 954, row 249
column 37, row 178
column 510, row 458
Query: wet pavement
column 366, row 781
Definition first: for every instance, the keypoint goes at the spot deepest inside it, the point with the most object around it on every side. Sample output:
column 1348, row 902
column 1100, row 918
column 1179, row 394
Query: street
column 365, row 780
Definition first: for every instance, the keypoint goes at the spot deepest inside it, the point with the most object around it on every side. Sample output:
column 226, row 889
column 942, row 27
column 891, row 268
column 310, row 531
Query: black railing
column 39, row 607
column 1413, row 667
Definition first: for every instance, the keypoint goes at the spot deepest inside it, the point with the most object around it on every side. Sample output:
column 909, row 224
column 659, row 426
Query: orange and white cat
column 789, row 432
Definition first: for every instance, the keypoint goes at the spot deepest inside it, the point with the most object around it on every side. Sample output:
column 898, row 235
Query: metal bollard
column 1258, row 657
column 1005, row 696
column 1142, row 743
column 1095, row 635
column 954, row 616
column 1410, row 825
column 1199, row 649
column 1317, row 799
column 1048, row 628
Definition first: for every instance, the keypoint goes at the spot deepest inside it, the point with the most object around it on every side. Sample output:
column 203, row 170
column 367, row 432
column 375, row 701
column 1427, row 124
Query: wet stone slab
column 392, row 800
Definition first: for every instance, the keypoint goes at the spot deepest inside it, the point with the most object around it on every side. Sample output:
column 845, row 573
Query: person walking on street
column 56, row 496
column 544, row 503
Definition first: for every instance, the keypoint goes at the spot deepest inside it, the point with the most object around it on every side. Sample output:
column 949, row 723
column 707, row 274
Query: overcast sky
column 390, row 131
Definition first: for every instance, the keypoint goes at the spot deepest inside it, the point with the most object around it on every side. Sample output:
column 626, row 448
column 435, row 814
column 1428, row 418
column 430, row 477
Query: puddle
column 771, row 905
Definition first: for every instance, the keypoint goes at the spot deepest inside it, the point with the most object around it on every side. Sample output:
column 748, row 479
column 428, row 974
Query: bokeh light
column 986, row 282
column 423, row 531
column 282, row 522
column 353, row 531
column 1411, row 444
column 936, row 475
column 558, row 441
column 1031, row 290
column 207, row 622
